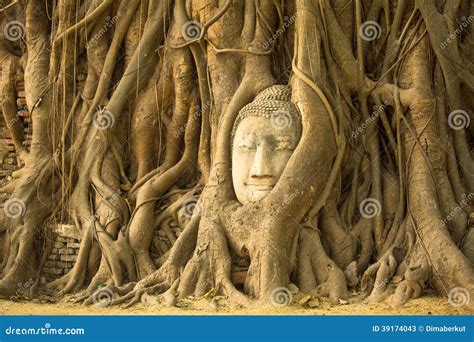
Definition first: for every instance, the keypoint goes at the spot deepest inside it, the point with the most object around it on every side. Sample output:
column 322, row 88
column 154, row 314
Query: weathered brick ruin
column 65, row 249
column 8, row 159
column 65, row 238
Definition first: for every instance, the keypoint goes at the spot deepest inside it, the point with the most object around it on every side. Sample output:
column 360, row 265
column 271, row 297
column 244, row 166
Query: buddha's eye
column 247, row 147
column 284, row 146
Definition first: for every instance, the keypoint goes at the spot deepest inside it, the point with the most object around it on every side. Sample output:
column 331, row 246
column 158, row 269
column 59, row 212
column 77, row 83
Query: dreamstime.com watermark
column 103, row 297
column 459, row 119
column 370, row 208
column 192, row 206
column 281, row 297
column 462, row 26
column 113, row 199
column 281, row 119
column 14, row 30
column 10, row 123
column 191, row 30
column 287, row 22
column 46, row 330
column 458, row 297
column 197, row 114
column 286, row 201
column 110, row 21
column 375, row 114
column 370, row 30
column 466, row 200
column 22, row 288
column 103, row 119
column 14, row 208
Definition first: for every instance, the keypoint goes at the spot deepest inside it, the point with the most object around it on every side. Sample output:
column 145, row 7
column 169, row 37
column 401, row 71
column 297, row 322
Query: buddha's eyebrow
column 250, row 137
column 284, row 139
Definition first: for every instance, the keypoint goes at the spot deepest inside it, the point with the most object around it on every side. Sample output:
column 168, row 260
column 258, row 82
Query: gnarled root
column 377, row 276
column 416, row 277
column 169, row 272
column 316, row 272
column 343, row 245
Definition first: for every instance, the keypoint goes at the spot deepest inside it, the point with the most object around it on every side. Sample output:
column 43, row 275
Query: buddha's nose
column 262, row 164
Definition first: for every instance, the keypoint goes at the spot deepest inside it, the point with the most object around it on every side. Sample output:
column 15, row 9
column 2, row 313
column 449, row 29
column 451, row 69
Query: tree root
column 316, row 273
column 416, row 277
column 376, row 278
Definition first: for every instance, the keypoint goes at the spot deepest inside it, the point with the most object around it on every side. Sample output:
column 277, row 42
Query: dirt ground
column 427, row 305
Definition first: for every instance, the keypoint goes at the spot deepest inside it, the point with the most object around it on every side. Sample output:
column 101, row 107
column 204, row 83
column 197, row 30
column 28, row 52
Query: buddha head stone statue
column 265, row 134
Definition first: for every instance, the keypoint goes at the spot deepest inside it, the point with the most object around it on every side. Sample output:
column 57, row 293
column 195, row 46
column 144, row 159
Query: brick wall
column 66, row 238
column 8, row 160
column 66, row 242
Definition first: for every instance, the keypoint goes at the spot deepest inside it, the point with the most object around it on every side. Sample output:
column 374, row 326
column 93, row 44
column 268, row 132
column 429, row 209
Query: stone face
column 73, row 245
column 266, row 134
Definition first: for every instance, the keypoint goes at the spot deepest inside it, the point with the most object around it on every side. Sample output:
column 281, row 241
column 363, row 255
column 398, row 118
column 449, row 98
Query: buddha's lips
column 260, row 187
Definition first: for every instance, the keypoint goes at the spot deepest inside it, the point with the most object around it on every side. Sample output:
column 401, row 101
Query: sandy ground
column 427, row 305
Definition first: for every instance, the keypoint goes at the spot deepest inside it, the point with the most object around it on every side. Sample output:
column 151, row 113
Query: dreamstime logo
column 191, row 30
column 281, row 119
column 192, row 206
column 370, row 30
column 46, row 330
column 14, row 208
column 103, row 297
column 103, row 119
column 14, row 30
column 458, row 296
column 369, row 208
column 458, row 119
column 280, row 297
